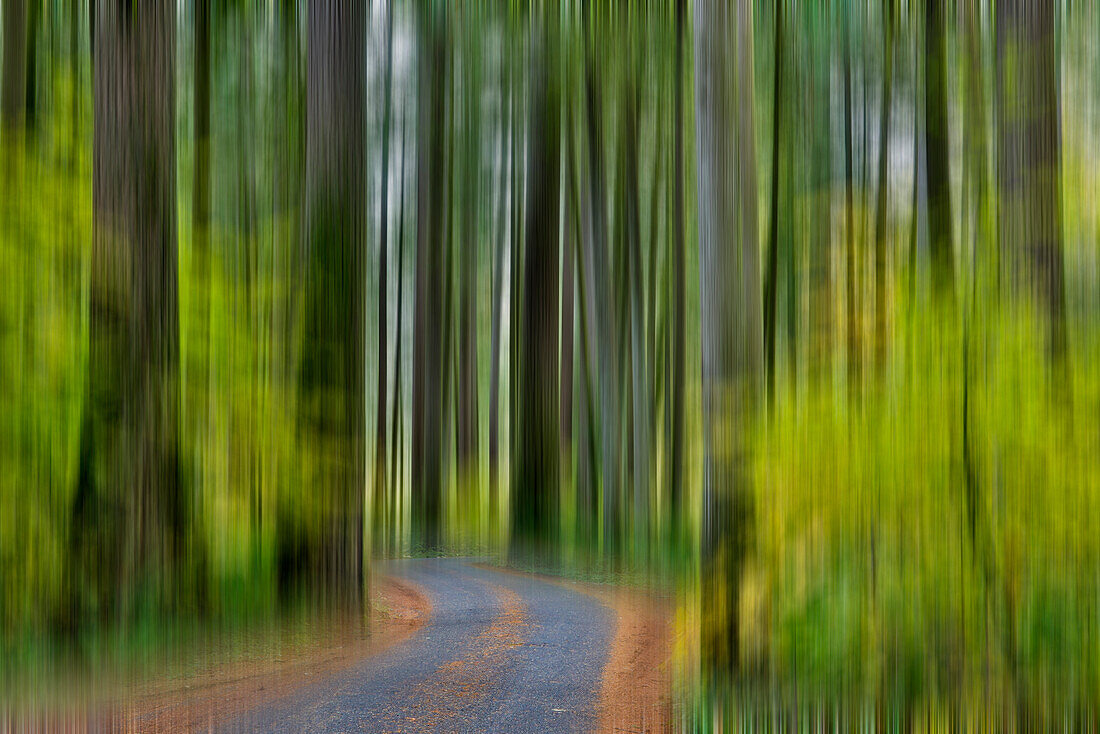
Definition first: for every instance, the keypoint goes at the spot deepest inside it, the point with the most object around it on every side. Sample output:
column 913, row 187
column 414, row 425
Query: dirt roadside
column 223, row 681
column 223, row 691
column 636, row 687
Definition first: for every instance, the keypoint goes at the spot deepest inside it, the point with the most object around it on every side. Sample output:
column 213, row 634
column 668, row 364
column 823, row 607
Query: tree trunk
column 606, row 340
column 395, row 434
column 771, row 289
column 378, row 514
column 427, row 428
column 467, row 266
column 587, row 480
column 821, row 244
column 129, row 513
column 936, row 150
column 535, row 497
column 638, row 360
column 1029, row 159
column 852, row 325
column 332, row 376
column 506, row 134
column 13, row 95
column 568, row 248
column 883, row 172
column 678, row 288
column 729, row 294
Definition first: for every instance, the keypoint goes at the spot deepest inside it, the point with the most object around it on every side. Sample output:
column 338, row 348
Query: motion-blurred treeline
column 792, row 304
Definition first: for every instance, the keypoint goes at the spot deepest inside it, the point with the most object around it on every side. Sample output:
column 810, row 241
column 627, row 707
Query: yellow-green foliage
column 45, row 240
column 868, row 581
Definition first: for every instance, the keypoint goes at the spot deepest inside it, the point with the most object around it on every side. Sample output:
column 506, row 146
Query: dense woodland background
column 790, row 307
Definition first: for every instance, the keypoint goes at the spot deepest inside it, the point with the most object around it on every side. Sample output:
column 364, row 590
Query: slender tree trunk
column 378, row 515
column 535, row 497
column 34, row 18
column 467, row 265
column 730, row 305
column 129, row 513
column 853, row 351
column 587, row 480
column 395, row 434
column 200, row 206
column 332, row 374
column 567, row 322
column 936, row 149
column 1029, row 159
column 427, row 428
column 639, row 363
column 506, row 134
column 883, row 182
column 606, row 340
column 771, row 289
column 13, row 94
column 676, row 450
column 821, row 244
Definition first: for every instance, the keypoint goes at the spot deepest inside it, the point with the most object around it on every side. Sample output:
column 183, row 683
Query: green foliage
column 874, row 586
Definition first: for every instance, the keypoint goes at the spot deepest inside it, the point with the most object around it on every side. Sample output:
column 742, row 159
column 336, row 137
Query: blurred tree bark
column 730, row 306
column 606, row 333
column 396, row 434
column 129, row 514
column 853, row 348
column 635, row 291
column 821, row 235
column 34, row 23
column 13, row 95
column 1029, row 159
column 936, row 149
column 378, row 514
column 771, row 284
column 332, row 370
column 506, row 144
column 467, row 421
column 427, row 417
column 535, row 508
column 679, row 288
column 883, row 173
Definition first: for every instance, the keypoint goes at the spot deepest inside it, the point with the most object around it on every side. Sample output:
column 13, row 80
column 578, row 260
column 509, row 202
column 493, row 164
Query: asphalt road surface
column 500, row 652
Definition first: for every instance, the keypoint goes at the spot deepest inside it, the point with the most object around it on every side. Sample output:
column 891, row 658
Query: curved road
column 500, row 652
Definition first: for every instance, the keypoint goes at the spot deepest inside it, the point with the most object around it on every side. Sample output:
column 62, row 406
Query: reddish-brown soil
column 227, row 680
column 636, row 688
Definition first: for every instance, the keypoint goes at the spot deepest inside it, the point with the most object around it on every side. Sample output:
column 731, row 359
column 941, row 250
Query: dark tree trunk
column 535, row 496
column 332, row 378
column 13, row 94
column 467, row 423
column 129, row 513
column 506, row 135
column 771, row 284
column 1029, row 158
column 587, row 480
column 883, row 172
column 634, row 291
column 568, row 248
column 31, row 80
column 679, row 286
column 936, row 149
column 200, row 205
column 378, row 513
column 399, row 305
column 821, row 244
column 606, row 333
column 427, row 417
column 730, row 306
column 852, row 325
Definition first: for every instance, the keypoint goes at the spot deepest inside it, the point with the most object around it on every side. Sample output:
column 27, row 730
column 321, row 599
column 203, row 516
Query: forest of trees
column 791, row 307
